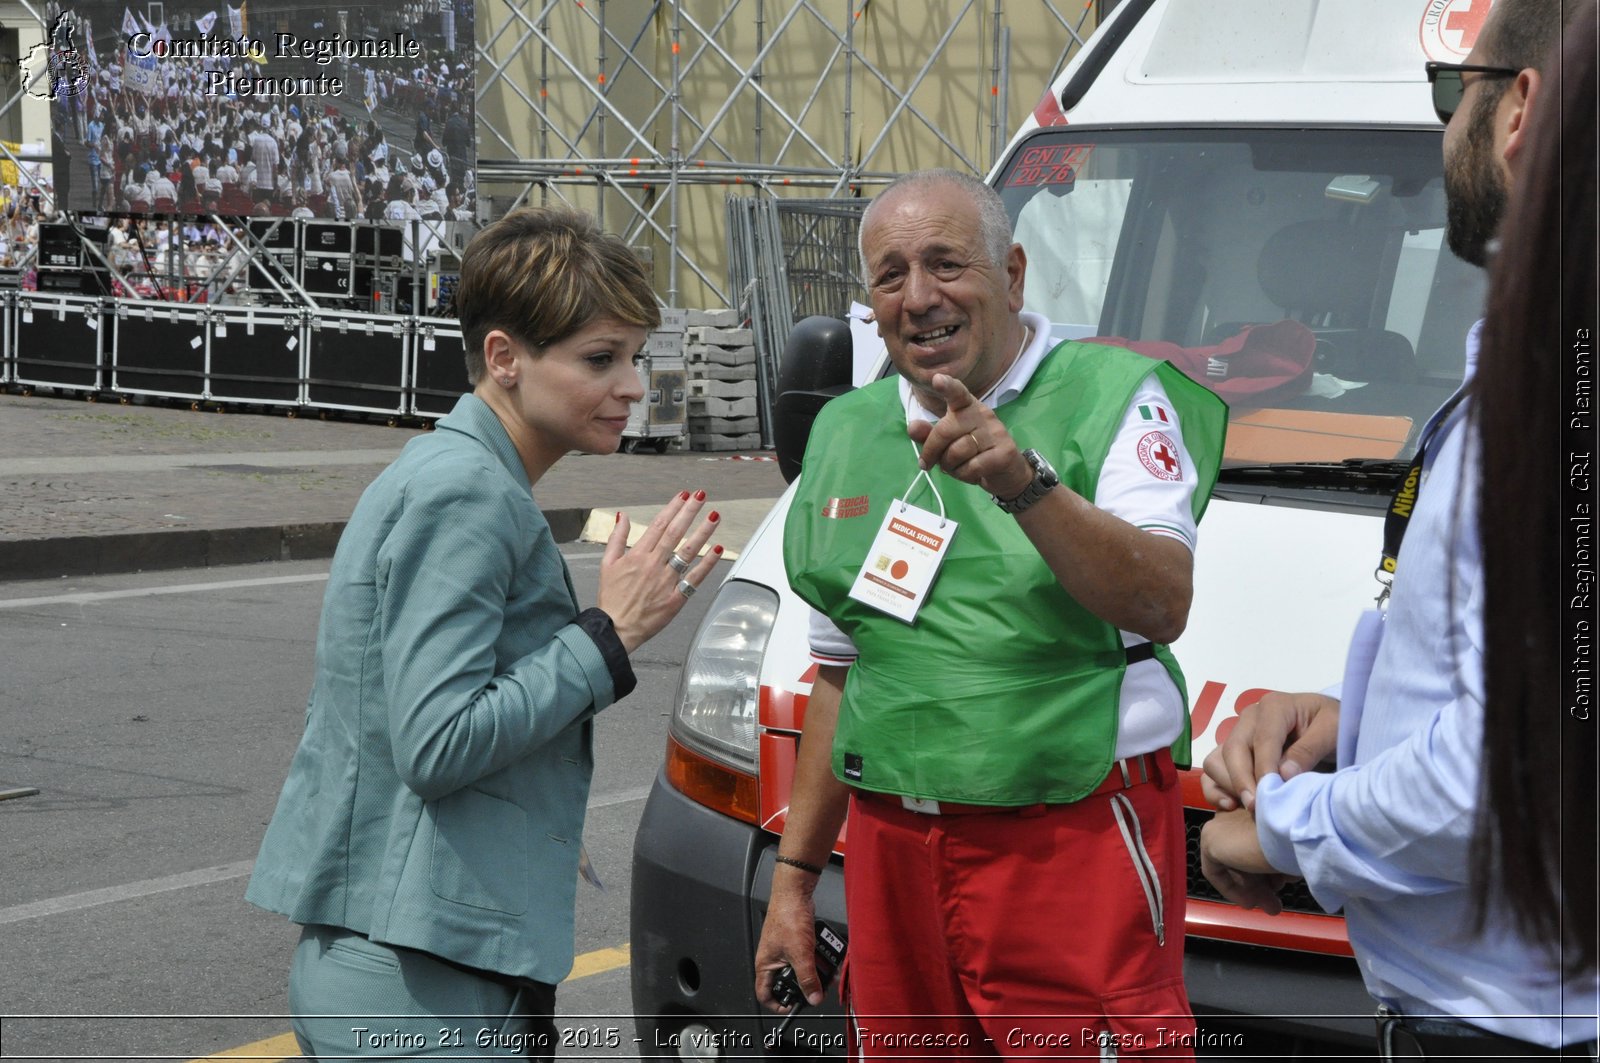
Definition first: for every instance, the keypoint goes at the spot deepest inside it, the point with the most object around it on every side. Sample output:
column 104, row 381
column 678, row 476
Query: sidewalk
column 97, row 488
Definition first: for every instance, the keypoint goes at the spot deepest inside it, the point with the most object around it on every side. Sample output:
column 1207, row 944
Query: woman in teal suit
column 427, row 836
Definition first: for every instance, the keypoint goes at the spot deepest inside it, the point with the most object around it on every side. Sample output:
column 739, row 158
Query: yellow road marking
column 278, row 1048
column 598, row 962
column 284, row 1046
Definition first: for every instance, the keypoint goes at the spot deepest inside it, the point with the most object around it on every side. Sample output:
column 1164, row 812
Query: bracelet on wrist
column 801, row 864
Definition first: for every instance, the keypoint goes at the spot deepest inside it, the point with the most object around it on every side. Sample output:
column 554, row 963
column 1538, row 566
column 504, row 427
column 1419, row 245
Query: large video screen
column 281, row 108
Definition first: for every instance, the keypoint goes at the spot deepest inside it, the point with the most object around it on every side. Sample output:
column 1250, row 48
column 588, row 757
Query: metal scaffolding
column 651, row 113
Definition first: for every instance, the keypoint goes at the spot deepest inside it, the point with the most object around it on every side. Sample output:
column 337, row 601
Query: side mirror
column 816, row 367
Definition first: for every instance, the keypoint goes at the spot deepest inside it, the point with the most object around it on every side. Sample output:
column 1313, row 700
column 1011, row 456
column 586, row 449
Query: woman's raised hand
column 643, row 588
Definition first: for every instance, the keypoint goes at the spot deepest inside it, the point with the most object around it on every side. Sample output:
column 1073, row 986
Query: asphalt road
column 157, row 715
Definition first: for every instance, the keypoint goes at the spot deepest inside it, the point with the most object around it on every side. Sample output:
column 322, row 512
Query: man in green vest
column 997, row 545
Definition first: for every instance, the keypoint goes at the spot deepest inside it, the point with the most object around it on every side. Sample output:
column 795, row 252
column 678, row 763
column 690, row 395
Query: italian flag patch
column 1154, row 413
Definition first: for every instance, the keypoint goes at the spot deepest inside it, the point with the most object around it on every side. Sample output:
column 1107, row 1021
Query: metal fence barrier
column 789, row 259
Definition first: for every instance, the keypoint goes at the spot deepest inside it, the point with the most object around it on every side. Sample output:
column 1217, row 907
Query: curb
column 100, row 555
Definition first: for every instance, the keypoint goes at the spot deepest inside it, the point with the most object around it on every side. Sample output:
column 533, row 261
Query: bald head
column 994, row 226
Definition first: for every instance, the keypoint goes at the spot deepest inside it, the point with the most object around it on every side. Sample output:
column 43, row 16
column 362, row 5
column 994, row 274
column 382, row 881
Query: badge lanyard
column 912, row 543
column 1368, row 636
column 923, row 474
column 906, row 555
column 1404, row 502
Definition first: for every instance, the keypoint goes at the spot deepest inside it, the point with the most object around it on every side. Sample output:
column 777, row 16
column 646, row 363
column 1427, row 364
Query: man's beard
column 1474, row 189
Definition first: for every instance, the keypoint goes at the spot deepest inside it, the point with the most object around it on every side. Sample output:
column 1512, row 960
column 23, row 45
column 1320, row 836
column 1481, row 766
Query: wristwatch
column 1044, row 478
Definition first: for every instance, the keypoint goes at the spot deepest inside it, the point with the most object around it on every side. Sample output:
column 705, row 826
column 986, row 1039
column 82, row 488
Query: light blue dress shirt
column 1387, row 837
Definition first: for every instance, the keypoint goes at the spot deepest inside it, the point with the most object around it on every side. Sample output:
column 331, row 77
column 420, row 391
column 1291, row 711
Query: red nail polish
column 699, row 496
column 716, row 550
column 715, row 516
column 684, row 495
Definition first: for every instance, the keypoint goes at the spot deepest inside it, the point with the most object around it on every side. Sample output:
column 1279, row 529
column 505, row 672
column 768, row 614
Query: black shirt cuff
column 596, row 623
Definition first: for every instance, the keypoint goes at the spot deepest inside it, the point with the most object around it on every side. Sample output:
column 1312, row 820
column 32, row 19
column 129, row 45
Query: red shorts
column 1051, row 932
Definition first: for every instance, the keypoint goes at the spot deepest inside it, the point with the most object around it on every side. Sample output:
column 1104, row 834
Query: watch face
column 1043, row 470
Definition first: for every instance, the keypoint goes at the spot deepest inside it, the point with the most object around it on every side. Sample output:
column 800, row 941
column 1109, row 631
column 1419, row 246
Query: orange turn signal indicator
column 711, row 783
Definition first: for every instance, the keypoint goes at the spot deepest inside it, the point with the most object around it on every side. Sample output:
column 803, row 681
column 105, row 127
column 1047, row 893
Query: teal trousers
column 356, row 999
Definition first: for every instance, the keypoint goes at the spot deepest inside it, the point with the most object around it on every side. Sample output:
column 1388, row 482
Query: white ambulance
column 1254, row 190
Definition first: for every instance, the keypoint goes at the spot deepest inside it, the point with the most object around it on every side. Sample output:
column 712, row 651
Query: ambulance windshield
column 1301, row 274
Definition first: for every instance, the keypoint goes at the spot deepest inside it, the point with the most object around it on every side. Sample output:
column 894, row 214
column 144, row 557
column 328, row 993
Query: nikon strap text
column 1404, row 502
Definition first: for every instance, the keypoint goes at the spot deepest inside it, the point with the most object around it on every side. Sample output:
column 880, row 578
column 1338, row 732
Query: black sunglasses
column 1449, row 86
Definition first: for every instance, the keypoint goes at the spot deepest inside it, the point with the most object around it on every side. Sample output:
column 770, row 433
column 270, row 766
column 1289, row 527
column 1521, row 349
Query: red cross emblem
column 1450, row 28
column 1159, row 455
column 1469, row 22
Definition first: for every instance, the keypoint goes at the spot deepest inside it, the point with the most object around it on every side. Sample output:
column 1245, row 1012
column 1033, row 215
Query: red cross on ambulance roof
column 1450, row 28
column 1469, row 22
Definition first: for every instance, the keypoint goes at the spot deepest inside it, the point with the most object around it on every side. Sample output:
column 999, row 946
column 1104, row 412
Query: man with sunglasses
column 1386, row 837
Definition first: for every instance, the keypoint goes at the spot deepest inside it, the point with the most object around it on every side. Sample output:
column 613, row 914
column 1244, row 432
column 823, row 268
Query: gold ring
column 973, row 436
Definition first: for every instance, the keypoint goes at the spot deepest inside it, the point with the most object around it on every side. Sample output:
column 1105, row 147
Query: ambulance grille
column 1295, row 896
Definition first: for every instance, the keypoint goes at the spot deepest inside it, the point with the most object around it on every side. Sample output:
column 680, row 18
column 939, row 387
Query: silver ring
column 686, row 588
column 677, row 564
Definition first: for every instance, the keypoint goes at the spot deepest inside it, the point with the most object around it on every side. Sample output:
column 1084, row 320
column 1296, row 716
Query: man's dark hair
column 1520, row 34
column 1523, row 33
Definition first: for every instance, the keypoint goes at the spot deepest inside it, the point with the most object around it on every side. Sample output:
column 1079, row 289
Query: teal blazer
column 436, row 801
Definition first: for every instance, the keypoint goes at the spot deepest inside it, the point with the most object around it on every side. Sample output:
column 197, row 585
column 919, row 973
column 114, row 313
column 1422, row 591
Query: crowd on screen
column 156, row 142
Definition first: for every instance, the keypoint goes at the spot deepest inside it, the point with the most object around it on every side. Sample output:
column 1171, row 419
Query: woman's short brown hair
column 543, row 273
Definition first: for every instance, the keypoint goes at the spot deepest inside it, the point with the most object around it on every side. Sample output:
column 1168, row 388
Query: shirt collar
column 1474, row 341
column 1015, row 379
column 472, row 417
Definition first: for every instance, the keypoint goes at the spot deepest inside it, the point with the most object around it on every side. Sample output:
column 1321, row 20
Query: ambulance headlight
column 720, row 689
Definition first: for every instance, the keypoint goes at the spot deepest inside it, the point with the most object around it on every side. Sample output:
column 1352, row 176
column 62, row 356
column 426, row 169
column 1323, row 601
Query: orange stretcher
column 1271, row 435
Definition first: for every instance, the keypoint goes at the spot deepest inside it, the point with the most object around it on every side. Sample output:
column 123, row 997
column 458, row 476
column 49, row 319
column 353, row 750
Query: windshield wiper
column 1352, row 474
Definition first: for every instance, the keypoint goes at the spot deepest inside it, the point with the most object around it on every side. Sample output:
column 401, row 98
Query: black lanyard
column 1405, row 497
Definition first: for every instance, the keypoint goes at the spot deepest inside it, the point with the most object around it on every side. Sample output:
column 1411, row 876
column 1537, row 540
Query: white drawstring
column 922, row 474
column 1027, row 335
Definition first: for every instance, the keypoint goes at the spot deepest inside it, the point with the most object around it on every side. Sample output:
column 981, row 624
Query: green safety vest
column 1005, row 689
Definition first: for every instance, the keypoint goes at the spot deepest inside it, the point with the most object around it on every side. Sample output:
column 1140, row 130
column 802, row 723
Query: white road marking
column 621, row 797
column 580, row 556
column 73, row 902
column 206, row 876
column 146, row 592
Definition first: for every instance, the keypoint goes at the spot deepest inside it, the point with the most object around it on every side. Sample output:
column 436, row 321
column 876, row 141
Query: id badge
column 903, row 560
